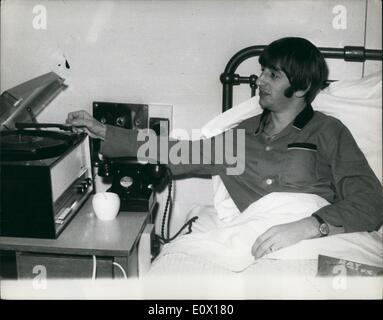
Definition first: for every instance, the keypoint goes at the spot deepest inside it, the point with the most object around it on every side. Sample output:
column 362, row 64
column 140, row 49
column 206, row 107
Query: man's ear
column 301, row 93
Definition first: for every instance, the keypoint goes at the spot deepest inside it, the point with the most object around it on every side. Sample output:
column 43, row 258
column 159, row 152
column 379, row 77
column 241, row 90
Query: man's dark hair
column 301, row 61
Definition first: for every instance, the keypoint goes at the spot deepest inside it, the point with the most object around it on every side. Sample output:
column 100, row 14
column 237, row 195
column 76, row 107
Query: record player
column 46, row 172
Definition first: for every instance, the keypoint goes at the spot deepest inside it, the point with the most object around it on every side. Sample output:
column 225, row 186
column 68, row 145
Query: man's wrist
column 324, row 228
column 313, row 228
column 102, row 132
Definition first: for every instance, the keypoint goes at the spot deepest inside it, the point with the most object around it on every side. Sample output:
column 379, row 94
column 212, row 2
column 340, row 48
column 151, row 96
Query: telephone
column 135, row 182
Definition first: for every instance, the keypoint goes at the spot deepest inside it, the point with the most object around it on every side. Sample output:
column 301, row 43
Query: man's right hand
column 83, row 121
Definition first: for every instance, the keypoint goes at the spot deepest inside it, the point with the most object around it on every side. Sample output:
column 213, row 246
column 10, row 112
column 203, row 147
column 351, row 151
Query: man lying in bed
column 288, row 148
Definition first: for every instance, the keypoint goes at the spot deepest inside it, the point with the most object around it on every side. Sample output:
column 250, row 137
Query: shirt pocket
column 300, row 164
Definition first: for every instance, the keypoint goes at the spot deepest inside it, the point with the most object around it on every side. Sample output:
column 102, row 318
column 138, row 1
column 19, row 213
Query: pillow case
column 358, row 104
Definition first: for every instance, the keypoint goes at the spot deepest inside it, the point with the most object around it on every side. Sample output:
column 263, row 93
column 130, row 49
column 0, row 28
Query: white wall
column 373, row 38
column 163, row 51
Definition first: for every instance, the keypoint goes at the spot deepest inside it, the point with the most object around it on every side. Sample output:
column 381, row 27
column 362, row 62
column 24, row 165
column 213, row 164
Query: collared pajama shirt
column 314, row 154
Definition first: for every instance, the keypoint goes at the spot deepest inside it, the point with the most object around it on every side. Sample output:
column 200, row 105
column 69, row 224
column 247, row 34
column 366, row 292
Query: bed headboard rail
column 229, row 78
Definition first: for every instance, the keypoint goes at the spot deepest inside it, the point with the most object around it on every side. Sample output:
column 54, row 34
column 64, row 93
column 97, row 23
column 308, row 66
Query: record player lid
column 25, row 101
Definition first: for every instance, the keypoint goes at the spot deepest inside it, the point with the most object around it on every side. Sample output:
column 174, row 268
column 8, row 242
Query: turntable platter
column 21, row 145
column 19, row 140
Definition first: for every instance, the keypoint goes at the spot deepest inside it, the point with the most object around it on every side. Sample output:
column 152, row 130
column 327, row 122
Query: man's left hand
column 284, row 235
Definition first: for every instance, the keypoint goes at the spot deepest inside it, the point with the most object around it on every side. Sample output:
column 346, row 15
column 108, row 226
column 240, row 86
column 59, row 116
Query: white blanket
column 229, row 243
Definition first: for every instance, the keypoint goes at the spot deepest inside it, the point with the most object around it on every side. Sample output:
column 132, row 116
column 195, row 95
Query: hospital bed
column 341, row 266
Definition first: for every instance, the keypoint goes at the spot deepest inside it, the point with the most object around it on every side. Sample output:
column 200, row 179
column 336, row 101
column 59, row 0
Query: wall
column 373, row 39
column 163, row 51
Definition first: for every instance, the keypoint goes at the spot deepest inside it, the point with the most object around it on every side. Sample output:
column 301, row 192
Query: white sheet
column 228, row 244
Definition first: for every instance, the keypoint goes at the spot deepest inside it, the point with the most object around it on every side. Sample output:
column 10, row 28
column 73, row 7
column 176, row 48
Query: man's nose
column 260, row 80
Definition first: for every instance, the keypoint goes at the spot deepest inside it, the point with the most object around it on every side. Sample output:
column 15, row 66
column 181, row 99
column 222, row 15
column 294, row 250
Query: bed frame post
column 229, row 78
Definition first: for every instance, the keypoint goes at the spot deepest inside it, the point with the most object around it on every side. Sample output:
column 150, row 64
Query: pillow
column 232, row 117
column 358, row 104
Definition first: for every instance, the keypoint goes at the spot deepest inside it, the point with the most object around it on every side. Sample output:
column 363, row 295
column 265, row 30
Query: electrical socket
column 161, row 111
column 160, row 126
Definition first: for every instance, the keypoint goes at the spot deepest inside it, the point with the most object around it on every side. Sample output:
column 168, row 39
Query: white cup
column 106, row 205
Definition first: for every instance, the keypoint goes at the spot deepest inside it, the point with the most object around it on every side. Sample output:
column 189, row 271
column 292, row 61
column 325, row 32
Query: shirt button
column 269, row 181
column 268, row 148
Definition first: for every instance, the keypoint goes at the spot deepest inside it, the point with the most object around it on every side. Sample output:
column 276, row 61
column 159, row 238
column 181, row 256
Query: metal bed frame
column 229, row 78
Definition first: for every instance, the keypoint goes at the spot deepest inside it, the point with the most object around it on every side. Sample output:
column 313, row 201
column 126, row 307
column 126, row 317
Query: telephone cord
column 167, row 213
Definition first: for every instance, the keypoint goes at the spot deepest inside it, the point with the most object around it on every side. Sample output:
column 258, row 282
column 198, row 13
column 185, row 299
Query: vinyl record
column 22, row 145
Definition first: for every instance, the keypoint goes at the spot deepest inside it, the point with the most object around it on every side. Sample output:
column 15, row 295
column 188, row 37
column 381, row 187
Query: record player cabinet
column 125, row 241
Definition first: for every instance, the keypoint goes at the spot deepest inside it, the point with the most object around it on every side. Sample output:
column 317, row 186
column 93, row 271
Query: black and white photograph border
column 183, row 66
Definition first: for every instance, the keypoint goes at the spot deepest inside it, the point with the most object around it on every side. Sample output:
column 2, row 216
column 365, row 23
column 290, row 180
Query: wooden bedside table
column 114, row 244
